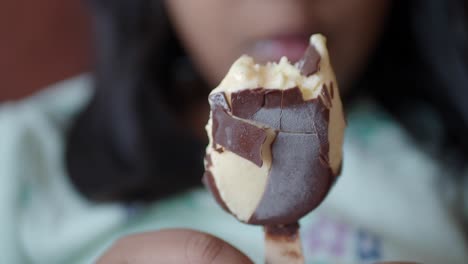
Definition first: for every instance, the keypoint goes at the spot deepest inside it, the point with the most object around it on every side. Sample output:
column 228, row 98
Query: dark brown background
column 49, row 44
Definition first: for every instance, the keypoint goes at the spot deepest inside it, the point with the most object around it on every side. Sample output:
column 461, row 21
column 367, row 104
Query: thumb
column 172, row 246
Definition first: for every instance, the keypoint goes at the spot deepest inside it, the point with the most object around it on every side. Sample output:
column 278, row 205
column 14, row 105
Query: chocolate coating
column 309, row 64
column 298, row 180
column 289, row 231
column 247, row 102
column 259, row 105
column 238, row 136
column 300, row 176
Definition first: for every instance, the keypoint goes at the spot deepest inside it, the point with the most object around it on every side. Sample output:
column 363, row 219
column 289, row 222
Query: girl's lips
column 293, row 47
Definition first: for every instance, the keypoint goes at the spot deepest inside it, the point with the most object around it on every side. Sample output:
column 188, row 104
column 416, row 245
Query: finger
column 398, row 262
column 173, row 246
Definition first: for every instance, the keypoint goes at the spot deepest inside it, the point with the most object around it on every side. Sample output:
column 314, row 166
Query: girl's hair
column 420, row 72
column 128, row 146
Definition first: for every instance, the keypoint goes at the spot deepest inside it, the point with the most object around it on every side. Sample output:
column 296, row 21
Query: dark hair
column 127, row 144
column 421, row 66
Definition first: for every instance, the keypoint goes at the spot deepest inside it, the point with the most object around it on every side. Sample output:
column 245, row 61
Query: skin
column 215, row 33
column 173, row 246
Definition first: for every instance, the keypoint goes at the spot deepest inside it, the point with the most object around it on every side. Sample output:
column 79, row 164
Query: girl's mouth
column 272, row 49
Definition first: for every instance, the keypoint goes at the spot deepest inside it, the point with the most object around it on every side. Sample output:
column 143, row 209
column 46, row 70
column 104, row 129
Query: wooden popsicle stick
column 283, row 244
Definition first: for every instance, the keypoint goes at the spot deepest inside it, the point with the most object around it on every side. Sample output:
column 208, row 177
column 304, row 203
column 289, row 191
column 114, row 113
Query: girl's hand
column 172, row 246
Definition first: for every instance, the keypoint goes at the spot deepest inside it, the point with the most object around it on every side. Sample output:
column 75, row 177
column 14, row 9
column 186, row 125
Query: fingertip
column 173, row 246
column 205, row 248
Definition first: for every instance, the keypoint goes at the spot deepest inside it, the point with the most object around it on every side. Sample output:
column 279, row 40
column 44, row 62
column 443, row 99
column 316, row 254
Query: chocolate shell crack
column 285, row 111
column 259, row 105
column 250, row 100
column 237, row 136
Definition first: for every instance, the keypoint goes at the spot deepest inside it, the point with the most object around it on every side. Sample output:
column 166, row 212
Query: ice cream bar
column 275, row 137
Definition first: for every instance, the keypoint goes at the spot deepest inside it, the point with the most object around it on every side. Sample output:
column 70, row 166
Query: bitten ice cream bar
column 275, row 139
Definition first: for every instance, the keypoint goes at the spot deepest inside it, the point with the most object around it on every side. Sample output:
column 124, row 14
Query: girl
column 138, row 141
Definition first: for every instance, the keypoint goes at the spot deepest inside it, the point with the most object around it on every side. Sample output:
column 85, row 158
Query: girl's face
column 216, row 32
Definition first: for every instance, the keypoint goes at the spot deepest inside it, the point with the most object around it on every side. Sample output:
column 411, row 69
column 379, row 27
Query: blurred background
column 103, row 107
column 42, row 42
